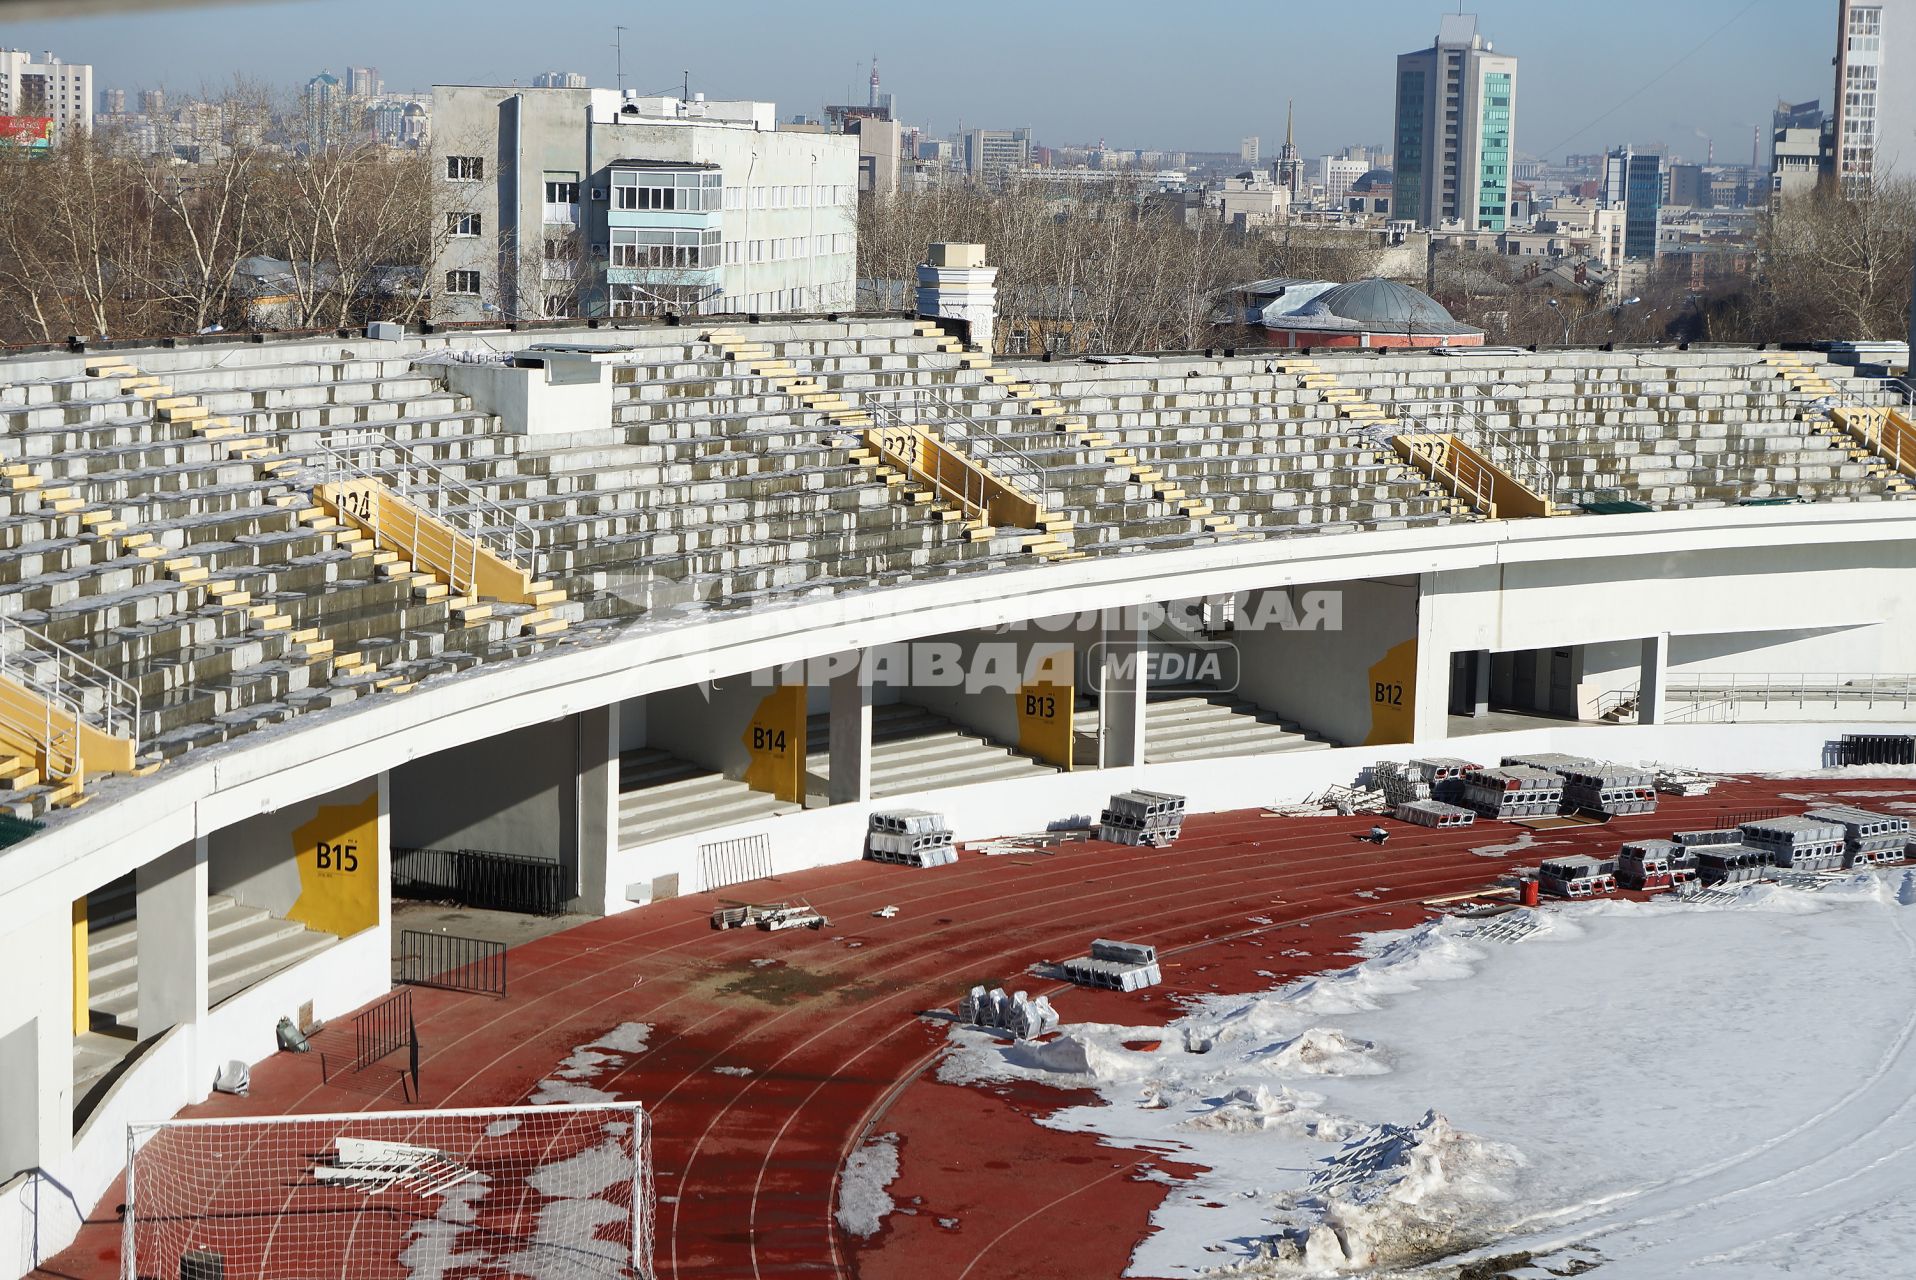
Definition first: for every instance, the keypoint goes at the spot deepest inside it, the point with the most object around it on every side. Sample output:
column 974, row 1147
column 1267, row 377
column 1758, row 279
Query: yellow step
column 276, row 622
column 430, row 591
column 184, row 413
column 232, row 599
column 312, row 650
column 551, row 626
column 108, row 368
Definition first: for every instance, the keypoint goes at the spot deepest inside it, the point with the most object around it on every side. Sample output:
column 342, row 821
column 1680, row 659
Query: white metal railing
column 1500, row 445
column 1709, row 695
column 479, row 521
column 75, row 692
column 931, row 408
column 1459, row 478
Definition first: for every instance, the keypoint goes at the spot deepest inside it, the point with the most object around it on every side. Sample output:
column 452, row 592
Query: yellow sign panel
column 1393, row 696
column 1045, row 707
column 775, row 742
column 82, row 985
column 338, row 858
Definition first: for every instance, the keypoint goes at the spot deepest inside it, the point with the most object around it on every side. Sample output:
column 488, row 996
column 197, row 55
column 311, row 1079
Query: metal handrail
column 75, row 690
column 1469, row 481
column 1801, row 686
column 1000, row 457
column 1499, row 445
column 410, row 475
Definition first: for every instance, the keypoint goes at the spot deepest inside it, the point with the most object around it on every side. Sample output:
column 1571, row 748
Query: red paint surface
column 746, row 1165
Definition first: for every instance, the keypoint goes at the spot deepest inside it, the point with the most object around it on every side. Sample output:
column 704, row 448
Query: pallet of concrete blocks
column 1115, row 966
column 1434, row 813
column 1153, row 819
column 1654, row 864
column 1577, row 875
column 1718, row 864
column 1444, row 775
column 1613, row 789
column 1553, row 761
column 1016, row 1014
column 1869, row 839
column 1518, row 791
column 910, row 838
column 1797, row 844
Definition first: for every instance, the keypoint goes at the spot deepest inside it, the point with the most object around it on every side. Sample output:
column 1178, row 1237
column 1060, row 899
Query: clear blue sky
column 1136, row 74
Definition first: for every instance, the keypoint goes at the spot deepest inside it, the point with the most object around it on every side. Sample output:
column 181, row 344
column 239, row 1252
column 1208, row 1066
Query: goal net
column 550, row 1193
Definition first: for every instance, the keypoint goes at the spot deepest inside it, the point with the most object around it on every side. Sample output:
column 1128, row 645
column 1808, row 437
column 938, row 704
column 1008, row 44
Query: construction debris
column 1152, row 819
column 770, row 917
column 1612, row 789
column 1016, row 1014
column 910, row 838
column 1115, row 966
column 1520, row 791
column 369, row 1165
column 1797, row 844
column 886, row 913
column 1683, row 782
column 1654, row 864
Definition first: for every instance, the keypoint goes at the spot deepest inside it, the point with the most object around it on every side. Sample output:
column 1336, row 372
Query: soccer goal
column 555, row 1193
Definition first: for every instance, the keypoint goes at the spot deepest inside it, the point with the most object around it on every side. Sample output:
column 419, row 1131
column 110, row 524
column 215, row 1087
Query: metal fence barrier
column 451, row 962
column 725, row 862
column 1870, row 748
column 384, row 1029
column 479, row 878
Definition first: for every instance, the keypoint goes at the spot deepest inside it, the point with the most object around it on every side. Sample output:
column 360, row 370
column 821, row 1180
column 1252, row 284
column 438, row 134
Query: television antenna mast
column 618, row 44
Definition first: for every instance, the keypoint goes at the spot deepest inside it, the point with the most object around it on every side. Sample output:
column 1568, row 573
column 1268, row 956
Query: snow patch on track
column 862, row 1198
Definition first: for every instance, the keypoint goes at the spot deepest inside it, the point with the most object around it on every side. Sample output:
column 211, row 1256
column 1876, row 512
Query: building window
column 465, row 168
column 462, row 282
column 562, row 193
column 656, row 300
column 661, row 249
column 688, row 190
column 462, row 224
column 558, row 308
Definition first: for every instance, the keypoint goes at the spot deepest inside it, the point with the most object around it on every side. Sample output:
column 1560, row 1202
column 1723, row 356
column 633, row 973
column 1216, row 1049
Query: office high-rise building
column 1456, row 118
column 1247, row 149
column 113, row 102
column 48, row 88
column 1633, row 180
column 558, row 80
column 364, row 82
column 1799, row 148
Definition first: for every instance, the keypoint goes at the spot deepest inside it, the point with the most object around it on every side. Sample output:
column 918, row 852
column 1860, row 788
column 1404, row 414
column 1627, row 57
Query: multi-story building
column 1874, row 118
column 1337, row 173
column 113, row 102
column 1456, row 118
column 597, row 202
column 1800, row 142
column 364, row 82
column 152, row 102
column 1633, row 181
column 558, row 80
column 47, row 88
column 992, row 153
column 1247, row 149
column 880, row 148
column 324, row 102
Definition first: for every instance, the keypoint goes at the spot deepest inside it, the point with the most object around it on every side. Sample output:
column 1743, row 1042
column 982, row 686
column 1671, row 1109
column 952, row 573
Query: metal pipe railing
column 75, row 691
column 1000, row 457
column 463, row 520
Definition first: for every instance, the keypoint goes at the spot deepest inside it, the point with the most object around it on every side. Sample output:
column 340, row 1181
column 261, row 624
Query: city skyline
column 1206, row 85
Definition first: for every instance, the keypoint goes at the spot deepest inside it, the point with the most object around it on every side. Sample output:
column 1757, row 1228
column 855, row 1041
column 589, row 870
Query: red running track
column 821, row 1046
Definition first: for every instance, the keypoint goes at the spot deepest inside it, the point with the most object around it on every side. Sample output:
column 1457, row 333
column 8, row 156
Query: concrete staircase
column 662, row 795
column 916, row 750
column 245, row 945
column 1192, row 726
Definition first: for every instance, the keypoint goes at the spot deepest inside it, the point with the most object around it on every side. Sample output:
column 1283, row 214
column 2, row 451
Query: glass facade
column 1493, row 200
column 1407, row 182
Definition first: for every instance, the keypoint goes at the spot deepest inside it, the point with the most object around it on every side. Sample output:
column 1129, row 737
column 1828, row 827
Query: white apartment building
column 46, row 86
column 1875, row 112
column 553, row 203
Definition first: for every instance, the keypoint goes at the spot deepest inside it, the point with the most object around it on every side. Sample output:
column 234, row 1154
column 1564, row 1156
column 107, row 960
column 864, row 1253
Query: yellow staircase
column 912, row 459
column 1880, row 437
column 1074, row 425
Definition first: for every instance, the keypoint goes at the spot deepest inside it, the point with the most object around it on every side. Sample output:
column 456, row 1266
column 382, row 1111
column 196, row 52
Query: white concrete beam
column 1653, row 670
column 1121, row 696
column 850, row 736
column 170, row 909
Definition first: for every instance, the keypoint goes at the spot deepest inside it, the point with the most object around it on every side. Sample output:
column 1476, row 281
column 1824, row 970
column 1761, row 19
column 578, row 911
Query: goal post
column 553, row 1192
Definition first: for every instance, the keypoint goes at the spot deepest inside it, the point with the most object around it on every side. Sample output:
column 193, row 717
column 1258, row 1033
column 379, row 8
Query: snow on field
column 862, row 1199
column 1723, row 1090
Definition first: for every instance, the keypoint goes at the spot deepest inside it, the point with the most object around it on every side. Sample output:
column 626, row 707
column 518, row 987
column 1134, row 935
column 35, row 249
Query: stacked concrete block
column 1869, row 839
column 1691, row 842
column 1521, row 791
column 1434, row 813
column 1400, row 783
column 1016, row 1014
column 1654, row 864
column 1554, row 761
column 1730, row 864
column 1444, row 774
column 1798, row 844
column 1150, row 818
column 910, row 838
column 1577, row 875
column 1611, row 789
column 1116, row 966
